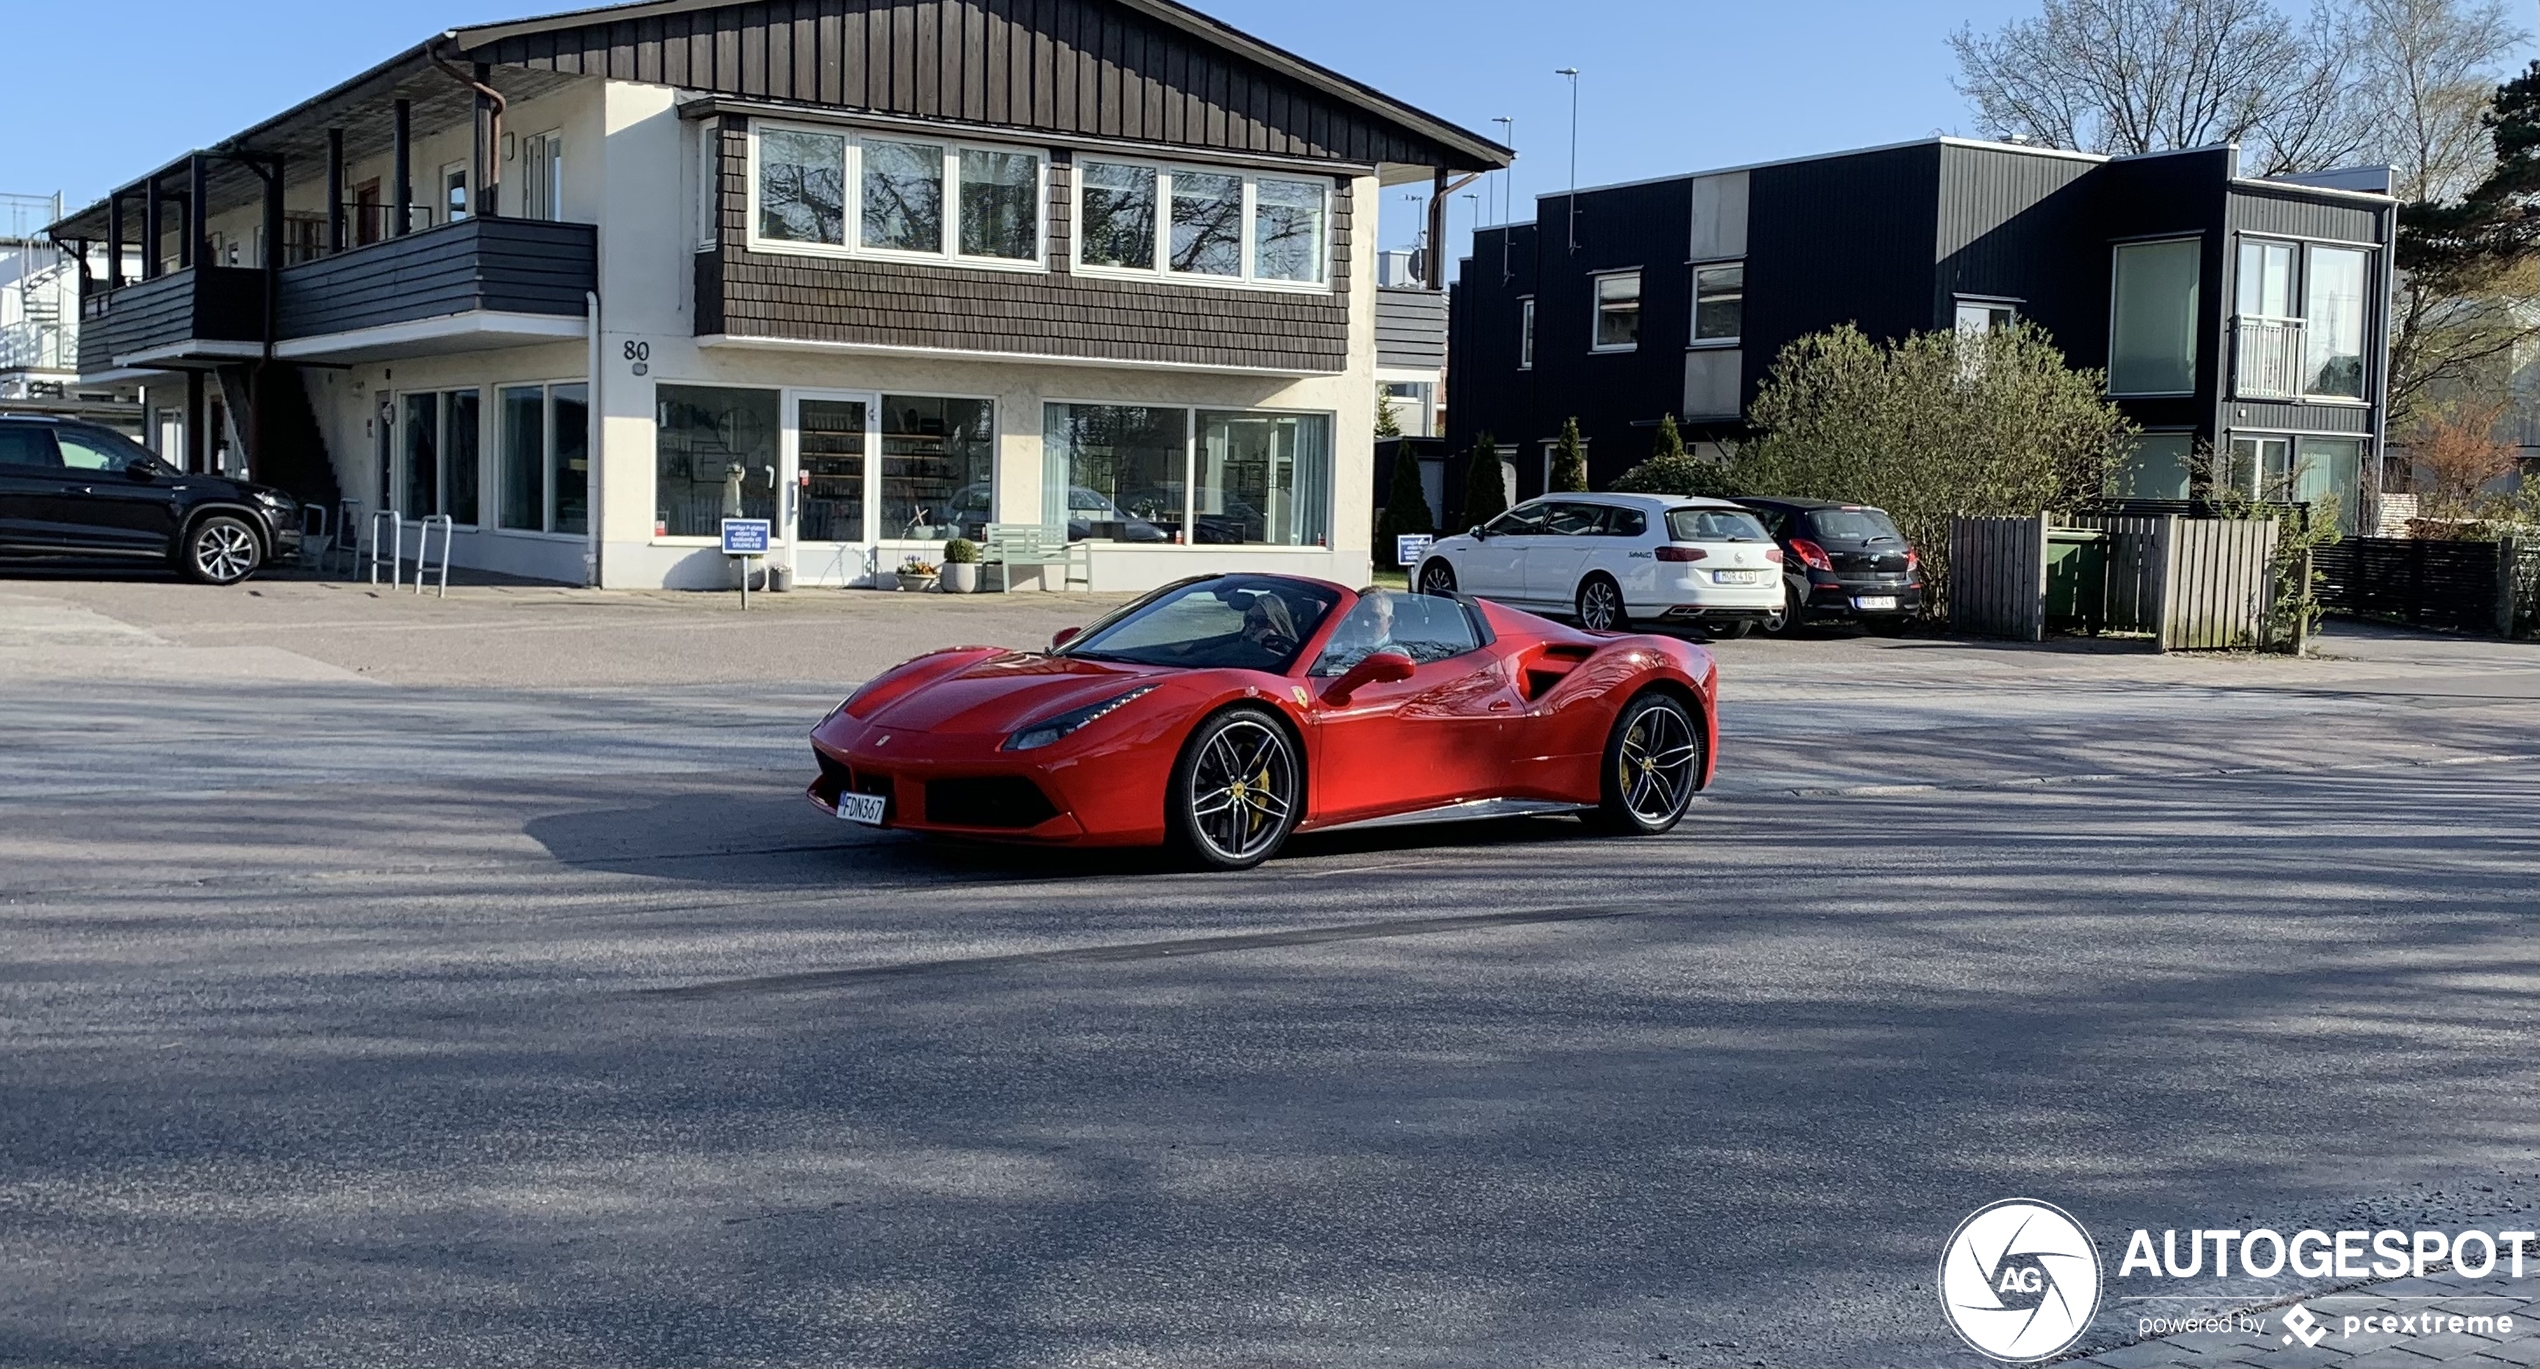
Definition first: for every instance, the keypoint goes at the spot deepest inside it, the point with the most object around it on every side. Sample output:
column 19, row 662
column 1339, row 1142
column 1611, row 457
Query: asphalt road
column 376, row 988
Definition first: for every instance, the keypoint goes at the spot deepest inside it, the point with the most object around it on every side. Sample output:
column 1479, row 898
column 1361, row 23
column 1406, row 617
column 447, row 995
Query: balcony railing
column 2267, row 358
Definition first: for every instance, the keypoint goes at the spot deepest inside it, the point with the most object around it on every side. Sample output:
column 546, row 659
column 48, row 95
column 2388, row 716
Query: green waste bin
column 2076, row 579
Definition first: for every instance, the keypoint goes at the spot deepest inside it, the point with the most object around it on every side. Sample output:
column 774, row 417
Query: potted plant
column 917, row 573
column 961, row 566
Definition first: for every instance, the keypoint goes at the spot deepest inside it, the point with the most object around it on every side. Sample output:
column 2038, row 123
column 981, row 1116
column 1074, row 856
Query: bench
column 1007, row 545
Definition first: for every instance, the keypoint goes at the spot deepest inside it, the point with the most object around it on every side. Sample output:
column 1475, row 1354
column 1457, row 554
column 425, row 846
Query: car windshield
column 1714, row 525
column 1854, row 525
column 1243, row 622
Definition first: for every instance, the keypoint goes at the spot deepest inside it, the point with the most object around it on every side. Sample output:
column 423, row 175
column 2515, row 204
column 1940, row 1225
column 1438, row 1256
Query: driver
column 1367, row 630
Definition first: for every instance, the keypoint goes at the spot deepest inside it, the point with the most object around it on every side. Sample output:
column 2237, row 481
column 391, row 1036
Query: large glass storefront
column 1151, row 473
column 715, row 457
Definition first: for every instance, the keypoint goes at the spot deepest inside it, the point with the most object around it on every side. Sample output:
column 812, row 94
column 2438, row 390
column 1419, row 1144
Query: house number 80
column 639, row 351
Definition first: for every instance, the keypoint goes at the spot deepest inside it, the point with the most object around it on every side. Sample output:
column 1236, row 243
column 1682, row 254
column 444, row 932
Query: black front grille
column 1003, row 801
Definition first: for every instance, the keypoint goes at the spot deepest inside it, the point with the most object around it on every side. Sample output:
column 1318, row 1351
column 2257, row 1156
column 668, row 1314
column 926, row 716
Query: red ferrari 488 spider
column 1223, row 713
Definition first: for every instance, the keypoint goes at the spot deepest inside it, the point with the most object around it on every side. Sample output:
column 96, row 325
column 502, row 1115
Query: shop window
column 1115, row 472
column 938, row 467
column 714, row 457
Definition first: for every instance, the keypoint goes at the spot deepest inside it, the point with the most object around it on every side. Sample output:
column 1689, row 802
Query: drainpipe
column 489, row 168
column 596, row 419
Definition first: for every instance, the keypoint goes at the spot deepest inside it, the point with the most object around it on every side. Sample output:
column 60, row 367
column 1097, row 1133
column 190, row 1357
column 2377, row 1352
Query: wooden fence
column 2216, row 582
column 2197, row 584
column 2480, row 587
column 1997, row 577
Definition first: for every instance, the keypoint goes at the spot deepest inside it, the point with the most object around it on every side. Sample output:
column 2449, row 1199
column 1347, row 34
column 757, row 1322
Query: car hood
column 1004, row 693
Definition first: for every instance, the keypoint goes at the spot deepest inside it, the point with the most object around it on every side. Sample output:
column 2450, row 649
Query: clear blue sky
column 1667, row 85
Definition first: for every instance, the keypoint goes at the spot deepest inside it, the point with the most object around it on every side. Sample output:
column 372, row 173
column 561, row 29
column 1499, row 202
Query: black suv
column 1840, row 562
column 75, row 489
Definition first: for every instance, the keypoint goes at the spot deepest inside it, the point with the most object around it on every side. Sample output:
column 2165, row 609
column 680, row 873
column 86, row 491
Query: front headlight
column 1050, row 729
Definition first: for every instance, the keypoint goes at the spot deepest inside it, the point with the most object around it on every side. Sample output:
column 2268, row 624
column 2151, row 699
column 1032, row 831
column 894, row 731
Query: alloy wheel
column 1600, row 605
column 1437, row 578
column 224, row 552
column 1243, row 790
column 1653, row 768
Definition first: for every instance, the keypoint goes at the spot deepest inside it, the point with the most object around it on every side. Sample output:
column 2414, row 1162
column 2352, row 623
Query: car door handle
column 1500, row 705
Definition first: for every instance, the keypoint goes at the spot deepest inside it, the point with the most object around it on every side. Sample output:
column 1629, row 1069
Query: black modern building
column 2249, row 314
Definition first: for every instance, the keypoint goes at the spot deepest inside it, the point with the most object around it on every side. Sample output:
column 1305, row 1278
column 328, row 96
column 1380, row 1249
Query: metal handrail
column 313, row 543
column 347, row 548
column 397, row 548
column 423, row 550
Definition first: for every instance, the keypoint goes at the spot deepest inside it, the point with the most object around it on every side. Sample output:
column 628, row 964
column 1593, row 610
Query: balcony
column 200, row 313
column 2266, row 358
column 473, row 283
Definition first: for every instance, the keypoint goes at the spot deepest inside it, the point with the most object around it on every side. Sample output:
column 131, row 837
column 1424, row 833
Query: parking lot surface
column 398, row 980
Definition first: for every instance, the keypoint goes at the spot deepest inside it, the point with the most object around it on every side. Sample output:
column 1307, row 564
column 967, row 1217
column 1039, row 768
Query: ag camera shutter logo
column 2019, row 1280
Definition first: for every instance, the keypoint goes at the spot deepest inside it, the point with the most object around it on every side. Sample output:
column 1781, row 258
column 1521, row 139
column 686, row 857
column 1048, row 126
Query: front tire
column 1237, row 791
column 1600, row 605
column 220, row 550
column 1652, row 760
column 1436, row 577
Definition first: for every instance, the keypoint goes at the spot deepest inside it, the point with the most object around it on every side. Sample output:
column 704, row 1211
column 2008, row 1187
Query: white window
column 2152, row 317
column 1719, row 302
column 971, row 204
column 1202, row 225
column 2333, row 323
column 2266, row 280
column 454, row 192
column 1170, row 474
column 1977, row 317
column 542, row 176
column 1617, row 312
column 1526, row 333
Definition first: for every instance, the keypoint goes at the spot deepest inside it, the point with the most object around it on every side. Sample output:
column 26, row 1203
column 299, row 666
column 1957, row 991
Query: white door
column 1495, row 567
column 828, row 476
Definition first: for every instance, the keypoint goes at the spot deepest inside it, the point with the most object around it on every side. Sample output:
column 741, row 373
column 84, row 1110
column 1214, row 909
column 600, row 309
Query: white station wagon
column 1613, row 559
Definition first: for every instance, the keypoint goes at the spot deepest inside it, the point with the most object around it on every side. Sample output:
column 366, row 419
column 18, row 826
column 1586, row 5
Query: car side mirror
column 1063, row 636
column 1384, row 667
column 141, row 471
column 1475, row 532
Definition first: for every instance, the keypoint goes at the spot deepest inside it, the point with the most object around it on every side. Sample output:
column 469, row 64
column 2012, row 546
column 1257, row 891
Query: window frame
column 1959, row 304
column 1596, row 309
column 540, row 160
column 1190, row 465
column 652, row 469
column 2305, row 251
column 441, row 430
column 1164, row 171
column 2196, row 342
column 851, row 221
column 547, row 431
column 1693, row 321
column 1525, row 332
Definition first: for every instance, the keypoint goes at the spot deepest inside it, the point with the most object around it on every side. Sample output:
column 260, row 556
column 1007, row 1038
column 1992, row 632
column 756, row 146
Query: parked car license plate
column 1737, row 577
column 864, row 808
column 1875, row 601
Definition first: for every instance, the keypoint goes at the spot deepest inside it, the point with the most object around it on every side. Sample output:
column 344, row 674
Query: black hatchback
column 1840, row 562
column 75, row 489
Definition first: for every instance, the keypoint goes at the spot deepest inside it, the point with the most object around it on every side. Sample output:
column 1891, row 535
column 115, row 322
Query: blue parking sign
column 746, row 536
column 1409, row 547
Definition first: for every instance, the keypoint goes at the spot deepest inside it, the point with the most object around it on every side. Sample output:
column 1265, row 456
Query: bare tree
column 2424, row 72
column 2134, row 76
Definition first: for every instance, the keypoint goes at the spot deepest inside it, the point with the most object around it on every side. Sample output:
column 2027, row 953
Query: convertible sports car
column 1222, row 713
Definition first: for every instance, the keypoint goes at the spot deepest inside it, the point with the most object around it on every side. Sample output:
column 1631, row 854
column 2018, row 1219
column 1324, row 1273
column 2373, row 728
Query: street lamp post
column 1573, row 74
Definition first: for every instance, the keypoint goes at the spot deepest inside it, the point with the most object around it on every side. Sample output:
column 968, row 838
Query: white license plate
column 1737, row 577
column 864, row 808
column 1875, row 601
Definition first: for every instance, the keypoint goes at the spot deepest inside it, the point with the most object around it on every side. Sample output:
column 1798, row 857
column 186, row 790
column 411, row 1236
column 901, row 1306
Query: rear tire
column 1436, row 577
column 1237, row 791
column 1653, row 759
column 1730, row 632
column 1600, row 605
column 220, row 550
column 1789, row 618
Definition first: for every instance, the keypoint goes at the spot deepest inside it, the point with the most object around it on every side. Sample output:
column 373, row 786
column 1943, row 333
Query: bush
column 961, row 551
column 1938, row 426
column 1406, row 510
column 1569, row 460
column 1670, row 469
column 1485, row 490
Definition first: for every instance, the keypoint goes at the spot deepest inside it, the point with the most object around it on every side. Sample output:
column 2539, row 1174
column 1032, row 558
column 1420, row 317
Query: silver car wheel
column 224, row 552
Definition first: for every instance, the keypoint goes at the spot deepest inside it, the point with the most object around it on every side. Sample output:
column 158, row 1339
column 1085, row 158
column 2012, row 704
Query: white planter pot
column 961, row 577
